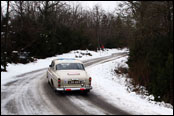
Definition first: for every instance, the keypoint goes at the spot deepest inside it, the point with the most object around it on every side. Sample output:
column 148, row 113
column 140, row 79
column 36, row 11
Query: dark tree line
column 151, row 48
column 42, row 29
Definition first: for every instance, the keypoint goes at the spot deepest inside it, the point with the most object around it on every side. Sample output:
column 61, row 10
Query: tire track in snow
column 31, row 94
column 19, row 98
column 100, row 106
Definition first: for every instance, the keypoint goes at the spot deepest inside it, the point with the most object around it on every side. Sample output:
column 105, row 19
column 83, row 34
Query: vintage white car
column 67, row 74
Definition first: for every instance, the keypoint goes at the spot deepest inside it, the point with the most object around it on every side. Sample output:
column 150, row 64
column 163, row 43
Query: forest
column 40, row 29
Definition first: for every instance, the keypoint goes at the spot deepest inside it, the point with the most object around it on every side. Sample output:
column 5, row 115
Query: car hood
column 72, row 74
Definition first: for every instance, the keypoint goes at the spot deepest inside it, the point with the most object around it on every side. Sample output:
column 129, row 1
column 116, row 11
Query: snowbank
column 114, row 89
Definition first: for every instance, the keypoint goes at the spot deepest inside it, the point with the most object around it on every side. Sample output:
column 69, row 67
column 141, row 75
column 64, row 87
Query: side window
column 52, row 64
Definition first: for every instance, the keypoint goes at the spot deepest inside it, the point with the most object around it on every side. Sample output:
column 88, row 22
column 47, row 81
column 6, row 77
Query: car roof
column 66, row 60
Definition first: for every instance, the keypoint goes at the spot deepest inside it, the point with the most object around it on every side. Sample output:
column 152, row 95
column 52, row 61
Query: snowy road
column 31, row 94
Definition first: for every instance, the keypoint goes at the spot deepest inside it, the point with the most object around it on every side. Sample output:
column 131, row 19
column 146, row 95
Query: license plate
column 74, row 82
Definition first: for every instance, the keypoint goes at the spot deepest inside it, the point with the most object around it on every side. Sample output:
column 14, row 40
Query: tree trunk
column 6, row 36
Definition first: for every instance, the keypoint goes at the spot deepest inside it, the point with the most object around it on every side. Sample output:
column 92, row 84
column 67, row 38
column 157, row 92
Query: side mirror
column 49, row 65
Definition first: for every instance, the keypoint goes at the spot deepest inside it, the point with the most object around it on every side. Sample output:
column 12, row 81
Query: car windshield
column 70, row 66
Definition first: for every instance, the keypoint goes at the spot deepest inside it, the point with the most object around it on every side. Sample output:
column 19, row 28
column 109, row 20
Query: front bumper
column 74, row 89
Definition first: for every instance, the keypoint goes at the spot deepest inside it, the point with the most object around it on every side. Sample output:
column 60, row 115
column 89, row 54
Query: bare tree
column 97, row 18
column 6, row 35
column 1, row 13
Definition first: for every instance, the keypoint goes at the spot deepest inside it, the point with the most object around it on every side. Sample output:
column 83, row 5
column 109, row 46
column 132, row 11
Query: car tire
column 85, row 92
column 52, row 83
column 49, row 82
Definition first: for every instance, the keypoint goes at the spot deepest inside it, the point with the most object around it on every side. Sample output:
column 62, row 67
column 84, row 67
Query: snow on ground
column 17, row 69
column 105, row 82
column 114, row 89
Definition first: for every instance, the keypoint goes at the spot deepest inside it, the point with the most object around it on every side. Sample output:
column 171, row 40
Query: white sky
column 105, row 5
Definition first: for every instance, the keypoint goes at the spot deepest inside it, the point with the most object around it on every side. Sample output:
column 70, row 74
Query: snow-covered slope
column 114, row 89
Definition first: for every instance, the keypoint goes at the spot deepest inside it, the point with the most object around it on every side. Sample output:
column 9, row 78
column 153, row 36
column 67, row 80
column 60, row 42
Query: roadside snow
column 114, row 89
column 17, row 69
